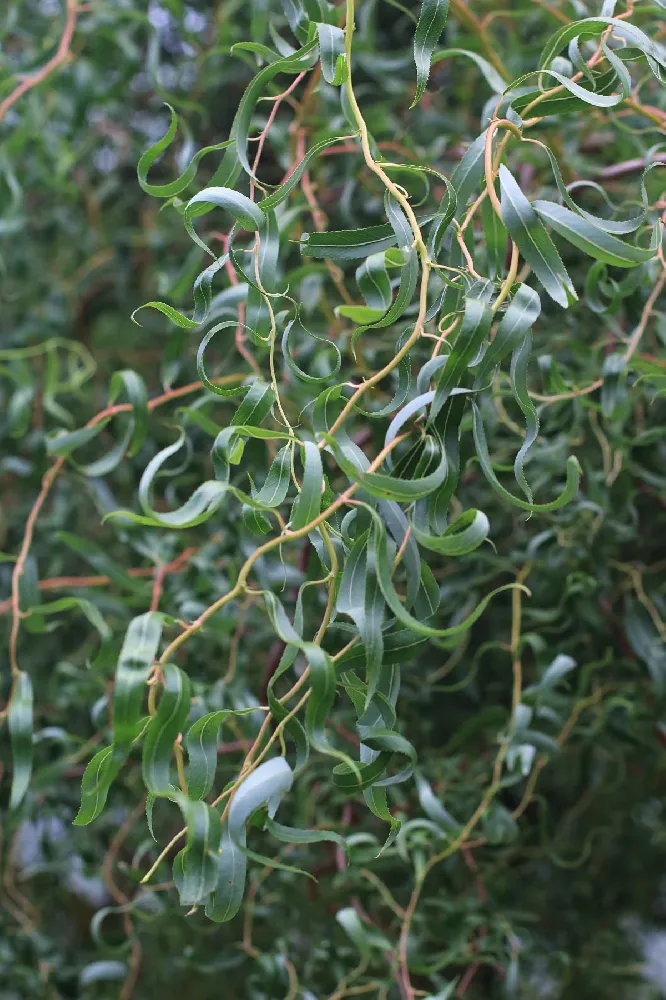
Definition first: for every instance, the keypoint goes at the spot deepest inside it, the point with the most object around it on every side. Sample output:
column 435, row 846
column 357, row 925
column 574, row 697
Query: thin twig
column 636, row 336
column 47, row 482
column 61, row 56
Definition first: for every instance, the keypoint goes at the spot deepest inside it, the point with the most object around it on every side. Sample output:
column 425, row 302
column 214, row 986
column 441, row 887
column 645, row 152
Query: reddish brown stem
column 466, row 980
column 628, row 168
column 61, row 55
column 47, row 482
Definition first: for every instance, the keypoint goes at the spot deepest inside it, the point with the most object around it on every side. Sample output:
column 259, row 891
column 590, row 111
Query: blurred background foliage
column 565, row 896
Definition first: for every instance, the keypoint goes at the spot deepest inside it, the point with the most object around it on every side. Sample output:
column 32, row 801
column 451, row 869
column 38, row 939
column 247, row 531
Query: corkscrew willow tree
column 365, row 477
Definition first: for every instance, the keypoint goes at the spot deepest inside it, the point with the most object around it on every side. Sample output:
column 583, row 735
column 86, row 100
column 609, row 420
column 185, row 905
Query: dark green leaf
column 19, row 720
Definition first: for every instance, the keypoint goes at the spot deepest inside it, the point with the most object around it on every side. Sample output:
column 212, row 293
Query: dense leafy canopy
column 332, row 465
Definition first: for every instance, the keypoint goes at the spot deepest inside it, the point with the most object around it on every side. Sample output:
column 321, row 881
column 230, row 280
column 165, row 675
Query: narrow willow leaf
column 255, row 406
column 259, row 320
column 65, row 442
column 400, row 646
column 227, row 897
column 150, row 805
column 408, row 279
column 431, row 805
column 364, row 938
column 613, row 390
column 112, row 459
column 102, row 972
column 564, row 103
column 646, row 643
column 95, row 784
column 135, row 390
column 291, row 835
column 573, row 471
column 195, row 868
column 255, row 521
column 228, row 449
column 384, row 744
column 332, row 53
column 359, row 314
column 608, row 225
column 373, row 280
column 295, row 326
column 201, row 506
column 399, row 528
column 495, row 238
column 519, row 362
column 492, row 77
column 148, row 158
column 143, row 906
column 276, row 484
column 19, row 720
column 468, row 173
column 384, row 562
column 219, row 390
column 198, row 508
column 465, row 534
column 257, row 48
column 299, row 61
column 621, row 71
column 376, row 800
column 281, row 194
column 322, row 677
column 359, row 597
column 409, row 268
column 520, row 316
column 473, row 331
column 348, row 244
column 323, row 682
column 293, row 728
column 164, row 729
column 592, row 240
column 582, row 94
column 513, row 336
column 67, row 603
column 265, row 786
column 593, row 26
column 202, row 291
column 351, row 590
column 308, row 503
column 404, row 382
column 201, row 743
column 431, row 24
column 533, row 241
column 361, row 776
column 555, row 671
column 238, row 205
column 173, row 314
column 386, row 487
column 134, row 665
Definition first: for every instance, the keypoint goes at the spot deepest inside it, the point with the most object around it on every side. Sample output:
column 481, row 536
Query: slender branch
column 17, row 573
column 635, row 339
column 487, row 798
column 47, row 482
column 61, row 56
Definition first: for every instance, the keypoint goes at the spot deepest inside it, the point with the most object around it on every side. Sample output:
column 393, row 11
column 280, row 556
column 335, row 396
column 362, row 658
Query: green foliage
column 331, row 380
